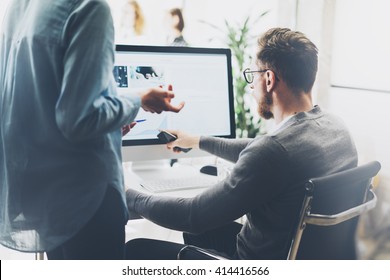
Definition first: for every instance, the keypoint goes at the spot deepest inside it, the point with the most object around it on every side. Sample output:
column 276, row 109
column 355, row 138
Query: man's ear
column 270, row 80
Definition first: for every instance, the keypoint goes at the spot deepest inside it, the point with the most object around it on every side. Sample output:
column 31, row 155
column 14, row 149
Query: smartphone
column 167, row 137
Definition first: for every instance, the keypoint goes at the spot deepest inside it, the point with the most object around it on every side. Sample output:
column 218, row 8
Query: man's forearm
column 228, row 149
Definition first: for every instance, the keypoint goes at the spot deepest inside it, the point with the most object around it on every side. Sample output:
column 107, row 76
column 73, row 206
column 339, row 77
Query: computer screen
column 201, row 77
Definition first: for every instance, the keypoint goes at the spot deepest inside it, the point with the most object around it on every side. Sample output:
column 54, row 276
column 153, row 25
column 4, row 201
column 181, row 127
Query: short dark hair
column 177, row 12
column 291, row 55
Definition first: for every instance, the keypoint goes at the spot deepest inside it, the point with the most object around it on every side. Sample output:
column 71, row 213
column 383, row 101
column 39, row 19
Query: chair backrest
column 330, row 211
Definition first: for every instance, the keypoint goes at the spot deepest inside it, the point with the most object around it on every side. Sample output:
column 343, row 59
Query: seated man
column 266, row 183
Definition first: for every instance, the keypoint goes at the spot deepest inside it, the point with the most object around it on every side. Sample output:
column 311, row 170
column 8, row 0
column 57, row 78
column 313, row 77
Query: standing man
column 61, row 179
column 267, row 181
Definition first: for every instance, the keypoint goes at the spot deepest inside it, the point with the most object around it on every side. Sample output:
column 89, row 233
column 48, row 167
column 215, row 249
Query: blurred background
column 353, row 79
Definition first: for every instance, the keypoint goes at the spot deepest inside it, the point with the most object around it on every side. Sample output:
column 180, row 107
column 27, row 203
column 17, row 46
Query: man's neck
column 286, row 107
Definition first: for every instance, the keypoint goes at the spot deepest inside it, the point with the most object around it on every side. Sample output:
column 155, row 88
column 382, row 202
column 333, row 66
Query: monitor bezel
column 189, row 50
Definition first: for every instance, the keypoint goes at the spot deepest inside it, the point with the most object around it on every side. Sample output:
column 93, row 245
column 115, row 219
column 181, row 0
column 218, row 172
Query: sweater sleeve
column 258, row 176
column 228, row 149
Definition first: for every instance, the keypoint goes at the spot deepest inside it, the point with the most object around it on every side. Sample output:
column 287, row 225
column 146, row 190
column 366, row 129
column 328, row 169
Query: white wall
column 361, row 61
column 355, row 52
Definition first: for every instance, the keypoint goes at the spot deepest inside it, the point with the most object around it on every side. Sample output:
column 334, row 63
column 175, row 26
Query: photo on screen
column 120, row 75
column 145, row 76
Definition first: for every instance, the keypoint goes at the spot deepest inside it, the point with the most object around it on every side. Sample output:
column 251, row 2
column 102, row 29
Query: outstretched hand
column 156, row 100
column 183, row 140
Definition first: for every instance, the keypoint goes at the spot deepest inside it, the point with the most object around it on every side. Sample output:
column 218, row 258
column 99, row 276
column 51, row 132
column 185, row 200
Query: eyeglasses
column 249, row 74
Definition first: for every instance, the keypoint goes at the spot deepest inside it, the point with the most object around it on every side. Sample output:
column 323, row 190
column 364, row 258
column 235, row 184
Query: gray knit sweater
column 266, row 184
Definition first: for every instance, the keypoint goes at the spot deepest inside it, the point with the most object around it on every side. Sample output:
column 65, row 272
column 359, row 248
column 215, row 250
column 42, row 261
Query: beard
column 264, row 107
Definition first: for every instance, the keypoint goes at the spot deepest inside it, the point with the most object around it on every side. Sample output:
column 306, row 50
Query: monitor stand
column 150, row 165
column 155, row 169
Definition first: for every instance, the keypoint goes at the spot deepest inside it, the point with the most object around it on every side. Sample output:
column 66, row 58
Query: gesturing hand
column 156, row 100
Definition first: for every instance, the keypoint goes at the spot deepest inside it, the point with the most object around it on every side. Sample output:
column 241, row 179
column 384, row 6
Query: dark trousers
column 103, row 237
column 221, row 240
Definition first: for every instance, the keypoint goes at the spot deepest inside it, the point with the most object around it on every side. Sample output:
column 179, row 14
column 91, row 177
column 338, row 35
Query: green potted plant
column 238, row 38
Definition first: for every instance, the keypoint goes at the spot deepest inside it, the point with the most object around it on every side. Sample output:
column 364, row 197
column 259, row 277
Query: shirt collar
column 279, row 125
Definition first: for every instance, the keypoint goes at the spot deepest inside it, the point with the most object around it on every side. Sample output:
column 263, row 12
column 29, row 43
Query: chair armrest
column 328, row 220
column 190, row 252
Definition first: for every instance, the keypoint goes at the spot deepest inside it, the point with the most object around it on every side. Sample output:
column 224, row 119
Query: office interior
column 352, row 81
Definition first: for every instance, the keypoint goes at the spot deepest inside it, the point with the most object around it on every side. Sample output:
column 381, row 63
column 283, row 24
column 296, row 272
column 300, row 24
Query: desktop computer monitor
column 201, row 77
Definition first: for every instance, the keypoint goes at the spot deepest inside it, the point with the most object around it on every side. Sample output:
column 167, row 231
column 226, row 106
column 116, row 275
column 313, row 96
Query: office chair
column 327, row 223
